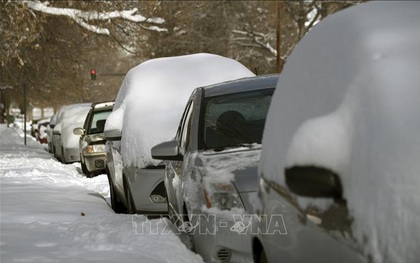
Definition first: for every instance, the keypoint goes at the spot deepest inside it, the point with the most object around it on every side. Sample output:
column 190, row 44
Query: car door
column 82, row 139
column 174, row 170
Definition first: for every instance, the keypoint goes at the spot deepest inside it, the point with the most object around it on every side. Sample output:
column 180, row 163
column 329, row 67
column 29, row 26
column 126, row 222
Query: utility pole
column 278, row 35
column 24, row 111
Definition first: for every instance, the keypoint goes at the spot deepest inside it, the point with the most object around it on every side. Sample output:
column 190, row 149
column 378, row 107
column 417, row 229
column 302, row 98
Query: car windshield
column 235, row 119
column 98, row 121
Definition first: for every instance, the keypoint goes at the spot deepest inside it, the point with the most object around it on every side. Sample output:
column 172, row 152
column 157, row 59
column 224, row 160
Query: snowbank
column 50, row 212
column 152, row 98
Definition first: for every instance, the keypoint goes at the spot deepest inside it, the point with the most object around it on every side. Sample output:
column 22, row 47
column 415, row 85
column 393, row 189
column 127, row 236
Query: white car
column 147, row 111
column 340, row 160
column 50, row 130
column 65, row 143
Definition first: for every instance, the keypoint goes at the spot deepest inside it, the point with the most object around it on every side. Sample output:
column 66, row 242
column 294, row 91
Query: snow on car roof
column 153, row 95
column 103, row 104
column 240, row 85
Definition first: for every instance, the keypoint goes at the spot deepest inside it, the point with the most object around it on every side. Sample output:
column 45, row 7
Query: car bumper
column 71, row 155
column 217, row 239
column 146, row 187
column 95, row 163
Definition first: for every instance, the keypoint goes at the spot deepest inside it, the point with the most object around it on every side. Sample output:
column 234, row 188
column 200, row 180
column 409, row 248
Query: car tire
column 63, row 158
column 263, row 257
column 170, row 214
column 190, row 236
column 85, row 170
column 131, row 208
column 116, row 205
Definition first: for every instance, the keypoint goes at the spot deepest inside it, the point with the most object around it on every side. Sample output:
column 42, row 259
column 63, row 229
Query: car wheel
column 63, row 157
column 131, row 208
column 170, row 213
column 189, row 233
column 85, row 170
column 116, row 205
column 263, row 257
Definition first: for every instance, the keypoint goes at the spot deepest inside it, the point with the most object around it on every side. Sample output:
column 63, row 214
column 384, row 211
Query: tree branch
column 82, row 17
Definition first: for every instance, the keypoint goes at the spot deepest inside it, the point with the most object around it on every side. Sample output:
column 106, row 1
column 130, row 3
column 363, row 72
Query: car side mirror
column 113, row 135
column 167, row 151
column 78, row 131
column 312, row 181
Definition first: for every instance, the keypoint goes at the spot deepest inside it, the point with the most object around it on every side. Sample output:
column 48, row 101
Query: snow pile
column 153, row 96
column 355, row 110
column 49, row 215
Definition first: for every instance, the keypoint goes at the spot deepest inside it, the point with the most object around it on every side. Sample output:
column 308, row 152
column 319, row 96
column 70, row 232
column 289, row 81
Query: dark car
column 212, row 164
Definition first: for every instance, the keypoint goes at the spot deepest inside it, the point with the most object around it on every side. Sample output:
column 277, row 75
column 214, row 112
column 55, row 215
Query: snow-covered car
column 41, row 130
column 340, row 154
column 92, row 139
column 65, row 143
column 211, row 167
column 147, row 111
column 34, row 127
column 50, row 129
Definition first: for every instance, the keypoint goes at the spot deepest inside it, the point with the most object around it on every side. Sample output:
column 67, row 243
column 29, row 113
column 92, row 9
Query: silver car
column 92, row 139
column 340, row 156
column 147, row 111
column 211, row 174
column 65, row 143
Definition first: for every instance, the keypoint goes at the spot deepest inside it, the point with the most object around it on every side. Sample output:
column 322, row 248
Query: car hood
column 95, row 138
column 238, row 165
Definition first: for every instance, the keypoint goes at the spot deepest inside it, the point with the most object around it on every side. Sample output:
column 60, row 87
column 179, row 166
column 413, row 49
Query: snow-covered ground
column 50, row 212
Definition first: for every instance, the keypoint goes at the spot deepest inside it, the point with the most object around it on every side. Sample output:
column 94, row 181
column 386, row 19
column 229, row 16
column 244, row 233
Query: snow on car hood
column 348, row 100
column 237, row 165
column 151, row 100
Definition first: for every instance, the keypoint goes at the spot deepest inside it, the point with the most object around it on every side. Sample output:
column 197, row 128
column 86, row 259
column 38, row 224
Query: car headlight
column 95, row 148
column 222, row 196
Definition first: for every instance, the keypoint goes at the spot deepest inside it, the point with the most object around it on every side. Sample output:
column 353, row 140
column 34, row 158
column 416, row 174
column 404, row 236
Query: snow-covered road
column 50, row 212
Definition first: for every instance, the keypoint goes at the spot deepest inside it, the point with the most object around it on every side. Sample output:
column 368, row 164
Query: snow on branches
column 83, row 17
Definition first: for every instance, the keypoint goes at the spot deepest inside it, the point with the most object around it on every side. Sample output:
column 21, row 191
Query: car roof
column 241, row 85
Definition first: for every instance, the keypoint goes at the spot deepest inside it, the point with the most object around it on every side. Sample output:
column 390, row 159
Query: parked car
column 50, row 129
column 212, row 163
column 34, row 126
column 147, row 110
column 92, row 139
column 41, row 130
column 340, row 153
column 65, row 143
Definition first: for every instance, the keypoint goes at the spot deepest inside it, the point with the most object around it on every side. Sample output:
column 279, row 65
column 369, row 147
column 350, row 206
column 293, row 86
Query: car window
column 235, row 119
column 186, row 127
column 183, row 129
column 98, row 121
